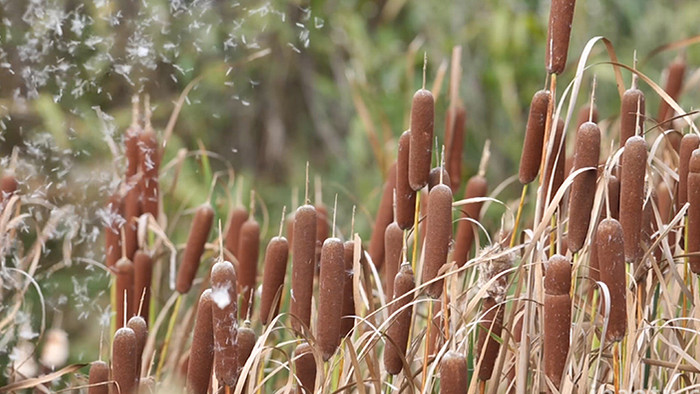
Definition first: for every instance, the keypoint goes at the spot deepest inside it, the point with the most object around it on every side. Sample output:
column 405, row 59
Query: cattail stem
column 514, row 236
column 616, row 367
column 168, row 334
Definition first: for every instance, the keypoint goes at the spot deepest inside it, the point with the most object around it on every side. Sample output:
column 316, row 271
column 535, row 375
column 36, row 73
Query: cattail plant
column 132, row 199
column 401, row 313
column 239, row 215
column 98, row 378
column 693, row 224
column 248, row 251
column 199, row 367
column 330, row 297
column 557, row 317
column 143, row 275
column 689, row 143
column 393, row 247
column 586, row 153
column 437, row 333
column 561, row 15
column 113, row 240
column 124, row 360
column 348, row 319
column 674, row 83
column 613, row 196
column 454, row 142
column 612, row 273
column 632, row 195
column 421, row 146
column 632, row 112
column 490, row 328
column 303, row 261
column 586, row 115
column 125, row 290
column 405, row 195
column 554, row 168
column 476, row 187
column 305, row 368
column 274, row 272
column 224, row 318
column 534, row 137
column 437, row 176
column 245, row 341
column 438, row 236
column 140, row 328
column 385, row 215
column 132, row 210
column 453, row 373
column 150, row 165
column 199, row 232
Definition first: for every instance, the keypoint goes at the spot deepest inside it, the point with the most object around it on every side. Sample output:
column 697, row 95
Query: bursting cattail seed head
column 274, row 272
column 586, row 153
column 453, row 373
column 393, row 247
column 224, row 317
column 398, row 330
column 385, row 215
column 612, row 273
column 561, row 16
column 438, row 236
column 421, row 147
column 303, row 262
column 248, row 251
column 201, row 361
column 330, row 298
column 534, row 137
column 124, row 360
column 98, row 379
column 476, row 187
column 233, row 234
column 405, row 195
column 305, row 368
column 557, row 317
column 632, row 195
column 199, row 232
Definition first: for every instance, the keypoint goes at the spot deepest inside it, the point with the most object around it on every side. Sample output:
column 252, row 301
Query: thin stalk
column 168, row 334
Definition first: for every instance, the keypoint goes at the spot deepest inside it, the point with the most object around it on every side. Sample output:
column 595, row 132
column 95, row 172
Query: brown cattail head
column 476, row 187
column 689, row 143
column 534, row 137
column 245, row 341
column 113, row 225
column 124, row 349
column 201, row 360
column 393, row 247
column 437, row 176
column 138, row 324
column 421, row 147
column 561, row 15
column 438, row 236
column 554, row 174
column 248, row 251
column 557, row 317
column 99, row 378
column 303, row 261
column 125, row 290
column 694, row 212
column 398, row 330
column 453, row 373
column 385, row 215
column 405, row 195
column 632, row 195
column 224, row 317
column 489, row 329
column 585, row 115
column 305, row 368
column 274, row 271
column 348, row 320
column 614, row 196
column 330, row 298
column 132, row 210
column 8, row 186
column 674, row 83
column 437, row 333
column 633, row 102
column 454, row 143
column 233, row 234
column 143, row 274
column 612, row 273
column 199, row 232
column 586, row 153
column 150, row 165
